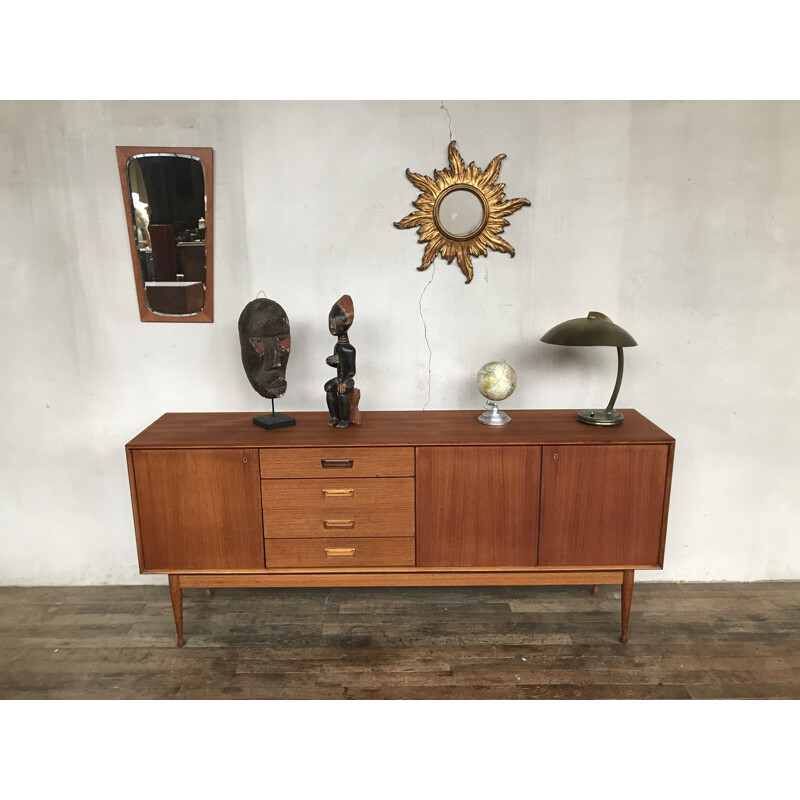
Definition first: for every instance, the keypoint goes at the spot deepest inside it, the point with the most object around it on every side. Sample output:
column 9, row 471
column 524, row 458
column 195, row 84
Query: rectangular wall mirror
column 168, row 198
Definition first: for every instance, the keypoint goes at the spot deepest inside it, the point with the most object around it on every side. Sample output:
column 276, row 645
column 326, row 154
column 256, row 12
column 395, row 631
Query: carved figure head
column 265, row 343
column 341, row 316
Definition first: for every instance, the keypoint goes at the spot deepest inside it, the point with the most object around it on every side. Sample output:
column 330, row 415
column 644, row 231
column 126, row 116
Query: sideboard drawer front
column 334, row 498
column 357, row 522
column 336, row 462
column 339, row 553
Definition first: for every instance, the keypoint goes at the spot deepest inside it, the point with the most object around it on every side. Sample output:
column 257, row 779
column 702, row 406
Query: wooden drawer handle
column 340, row 552
column 338, row 523
column 338, row 492
column 337, row 463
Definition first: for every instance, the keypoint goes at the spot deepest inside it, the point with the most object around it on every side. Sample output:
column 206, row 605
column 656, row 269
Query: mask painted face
column 265, row 343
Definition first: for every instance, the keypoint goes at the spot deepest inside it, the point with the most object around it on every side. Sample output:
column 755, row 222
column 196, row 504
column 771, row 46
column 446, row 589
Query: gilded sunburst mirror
column 461, row 212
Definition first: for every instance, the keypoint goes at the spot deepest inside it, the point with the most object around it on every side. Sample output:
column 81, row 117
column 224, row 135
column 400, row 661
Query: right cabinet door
column 602, row 505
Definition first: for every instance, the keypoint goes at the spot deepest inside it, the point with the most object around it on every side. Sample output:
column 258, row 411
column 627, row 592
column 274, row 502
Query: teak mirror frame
column 205, row 155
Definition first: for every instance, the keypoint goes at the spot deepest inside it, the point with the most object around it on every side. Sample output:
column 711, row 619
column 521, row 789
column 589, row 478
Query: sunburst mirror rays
column 461, row 212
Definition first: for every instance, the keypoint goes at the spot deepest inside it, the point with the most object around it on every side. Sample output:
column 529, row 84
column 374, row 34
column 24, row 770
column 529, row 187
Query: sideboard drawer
column 338, row 553
column 337, row 497
column 359, row 522
column 338, row 507
column 337, row 462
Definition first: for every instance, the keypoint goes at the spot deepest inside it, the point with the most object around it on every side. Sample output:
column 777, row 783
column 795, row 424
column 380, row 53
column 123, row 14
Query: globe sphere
column 496, row 381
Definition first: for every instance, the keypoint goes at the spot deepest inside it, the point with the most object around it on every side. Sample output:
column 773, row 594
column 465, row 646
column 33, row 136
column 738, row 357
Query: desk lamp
column 596, row 329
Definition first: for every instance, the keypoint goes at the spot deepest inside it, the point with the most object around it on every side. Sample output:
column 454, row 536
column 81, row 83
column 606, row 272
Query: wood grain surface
column 348, row 576
column 339, row 552
column 199, row 509
column 687, row 641
column 602, row 506
column 312, row 507
column 477, row 506
column 392, row 428
column 337, row 462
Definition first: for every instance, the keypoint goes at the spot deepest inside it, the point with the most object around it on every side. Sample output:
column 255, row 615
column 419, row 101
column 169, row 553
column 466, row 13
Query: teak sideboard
column 408, row 498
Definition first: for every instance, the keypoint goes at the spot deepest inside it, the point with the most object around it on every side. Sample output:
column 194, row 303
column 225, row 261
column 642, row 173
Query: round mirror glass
column 460, row 213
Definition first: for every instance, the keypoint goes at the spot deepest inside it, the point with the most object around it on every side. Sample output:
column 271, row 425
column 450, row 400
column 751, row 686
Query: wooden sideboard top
column 393, row 428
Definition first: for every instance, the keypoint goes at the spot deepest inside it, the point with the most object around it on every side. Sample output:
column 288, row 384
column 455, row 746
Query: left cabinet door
column 198, row 509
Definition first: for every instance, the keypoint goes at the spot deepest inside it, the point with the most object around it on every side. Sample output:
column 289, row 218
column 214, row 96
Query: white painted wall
column 679, row 220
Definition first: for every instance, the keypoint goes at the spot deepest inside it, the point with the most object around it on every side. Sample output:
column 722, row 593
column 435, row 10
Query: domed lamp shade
column 596, row 329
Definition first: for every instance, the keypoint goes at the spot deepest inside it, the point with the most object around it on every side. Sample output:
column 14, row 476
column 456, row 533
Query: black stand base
column 272, row 421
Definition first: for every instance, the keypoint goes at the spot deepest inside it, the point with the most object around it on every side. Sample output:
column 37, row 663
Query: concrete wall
column 678, row 220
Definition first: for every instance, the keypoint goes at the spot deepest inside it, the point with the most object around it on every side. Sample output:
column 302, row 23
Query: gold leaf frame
column 495, row 210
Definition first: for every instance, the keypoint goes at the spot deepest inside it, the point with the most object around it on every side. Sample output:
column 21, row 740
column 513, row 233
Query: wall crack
column 425, row 333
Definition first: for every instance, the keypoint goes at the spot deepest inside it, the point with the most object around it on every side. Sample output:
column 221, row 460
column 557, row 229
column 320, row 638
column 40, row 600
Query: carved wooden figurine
column 341, row 392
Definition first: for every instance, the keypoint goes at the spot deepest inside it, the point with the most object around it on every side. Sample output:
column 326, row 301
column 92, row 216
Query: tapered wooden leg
column 627, row 595
column 176, row 593
column 595, row 587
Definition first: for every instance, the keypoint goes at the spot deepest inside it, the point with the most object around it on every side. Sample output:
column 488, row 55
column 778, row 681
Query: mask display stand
column 273, row 420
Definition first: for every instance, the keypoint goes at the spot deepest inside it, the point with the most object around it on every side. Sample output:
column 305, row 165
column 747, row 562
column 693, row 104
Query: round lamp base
column 599, row 416
column 493, row 415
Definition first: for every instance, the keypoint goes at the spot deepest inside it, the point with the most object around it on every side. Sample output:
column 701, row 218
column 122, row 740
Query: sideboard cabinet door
column 477, row 506
column 602, row 505
column 199, row 509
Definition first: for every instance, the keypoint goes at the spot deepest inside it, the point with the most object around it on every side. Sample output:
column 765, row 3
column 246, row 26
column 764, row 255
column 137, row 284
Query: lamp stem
column 614, row 394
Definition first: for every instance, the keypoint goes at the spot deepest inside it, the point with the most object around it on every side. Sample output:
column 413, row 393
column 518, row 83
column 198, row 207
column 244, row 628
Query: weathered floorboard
column 686, row 641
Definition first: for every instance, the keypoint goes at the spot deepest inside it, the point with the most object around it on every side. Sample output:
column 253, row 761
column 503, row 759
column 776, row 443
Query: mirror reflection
column 168, row 209
column 168, row 198
column 460, row 213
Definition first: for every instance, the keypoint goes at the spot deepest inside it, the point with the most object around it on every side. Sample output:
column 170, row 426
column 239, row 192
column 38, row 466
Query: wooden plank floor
column 687, row 641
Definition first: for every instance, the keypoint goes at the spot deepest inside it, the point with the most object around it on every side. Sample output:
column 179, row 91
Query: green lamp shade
column 595, row 329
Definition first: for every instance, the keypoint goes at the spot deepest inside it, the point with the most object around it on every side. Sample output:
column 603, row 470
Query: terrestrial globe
column 496, row 381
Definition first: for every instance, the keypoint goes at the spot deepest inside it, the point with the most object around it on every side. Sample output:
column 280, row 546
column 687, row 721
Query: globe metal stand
column 493, row 415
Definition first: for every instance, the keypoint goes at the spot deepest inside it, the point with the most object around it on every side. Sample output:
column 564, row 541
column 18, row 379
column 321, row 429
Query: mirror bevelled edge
column 205, row 156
